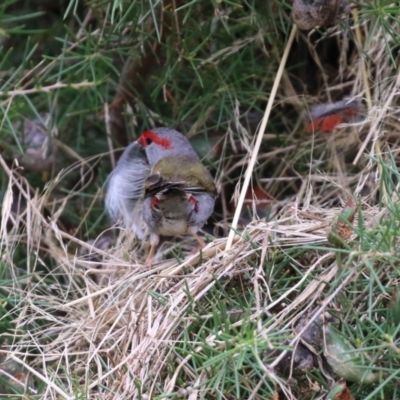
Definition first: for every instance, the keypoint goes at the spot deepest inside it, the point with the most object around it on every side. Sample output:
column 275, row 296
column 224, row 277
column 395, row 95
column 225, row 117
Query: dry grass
column 110, row 325
column 98, row 324
column 92, row 322
column 101, row 325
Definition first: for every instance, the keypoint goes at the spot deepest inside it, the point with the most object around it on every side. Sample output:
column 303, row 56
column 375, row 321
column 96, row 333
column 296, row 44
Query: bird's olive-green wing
column 182, row 168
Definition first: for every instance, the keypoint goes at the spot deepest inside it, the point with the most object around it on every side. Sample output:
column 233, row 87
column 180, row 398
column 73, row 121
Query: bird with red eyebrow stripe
column 160, row 187
column 324, row 118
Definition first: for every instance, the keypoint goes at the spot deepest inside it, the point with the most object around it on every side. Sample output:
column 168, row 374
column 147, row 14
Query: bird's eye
column 148, row 141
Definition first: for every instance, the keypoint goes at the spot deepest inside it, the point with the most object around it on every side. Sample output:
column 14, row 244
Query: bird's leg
column 201, row 241
column 149, row 258
column 154, row 240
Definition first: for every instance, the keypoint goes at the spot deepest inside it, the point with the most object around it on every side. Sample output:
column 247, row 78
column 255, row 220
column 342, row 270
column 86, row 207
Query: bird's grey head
column 165, row 142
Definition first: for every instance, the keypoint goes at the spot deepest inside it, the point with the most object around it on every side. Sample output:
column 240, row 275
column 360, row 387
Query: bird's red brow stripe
column 155, row 139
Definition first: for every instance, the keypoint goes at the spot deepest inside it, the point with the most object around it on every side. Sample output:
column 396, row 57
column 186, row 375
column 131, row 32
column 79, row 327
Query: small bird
column 161, row 187
column 326, row 117
column 36, row 138
column 310, row 14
